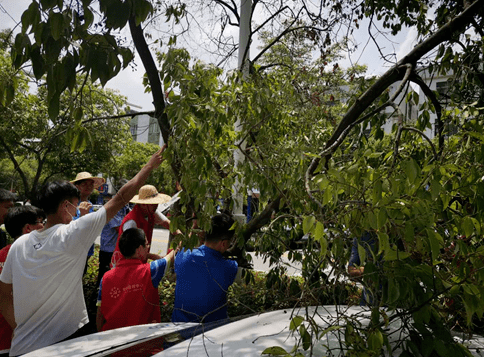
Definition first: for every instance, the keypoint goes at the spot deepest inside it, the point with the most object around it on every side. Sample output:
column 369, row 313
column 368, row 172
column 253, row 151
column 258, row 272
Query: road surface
column 160, row 241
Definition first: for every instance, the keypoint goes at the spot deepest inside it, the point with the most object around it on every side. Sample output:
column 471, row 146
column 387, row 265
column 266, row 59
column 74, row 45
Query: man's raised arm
column 131, row 188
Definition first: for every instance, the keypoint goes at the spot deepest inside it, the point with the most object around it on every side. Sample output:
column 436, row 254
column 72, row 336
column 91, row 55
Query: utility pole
column 243, row 64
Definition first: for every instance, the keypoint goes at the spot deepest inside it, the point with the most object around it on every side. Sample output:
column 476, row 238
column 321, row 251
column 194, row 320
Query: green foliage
column 132, row 158
column 40, row 148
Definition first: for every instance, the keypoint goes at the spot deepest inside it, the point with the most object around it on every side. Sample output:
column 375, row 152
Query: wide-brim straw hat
column 98, row 181
column 148, row 195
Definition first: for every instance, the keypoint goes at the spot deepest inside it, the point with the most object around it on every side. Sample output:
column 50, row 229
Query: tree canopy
column 39, row 148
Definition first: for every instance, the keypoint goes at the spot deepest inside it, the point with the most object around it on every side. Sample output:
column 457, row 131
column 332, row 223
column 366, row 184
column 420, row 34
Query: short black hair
column 6, row 195
column 17, row 217
column 130, row 240
column 54, row 193
column 221, row 224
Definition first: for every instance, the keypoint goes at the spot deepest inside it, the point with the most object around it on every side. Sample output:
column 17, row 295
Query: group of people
column 41, row 295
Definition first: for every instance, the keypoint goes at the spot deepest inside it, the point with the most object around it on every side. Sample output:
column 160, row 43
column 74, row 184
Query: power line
column 6, row 12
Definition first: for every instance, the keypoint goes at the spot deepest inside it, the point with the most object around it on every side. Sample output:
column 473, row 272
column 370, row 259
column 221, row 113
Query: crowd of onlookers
column 41, row 294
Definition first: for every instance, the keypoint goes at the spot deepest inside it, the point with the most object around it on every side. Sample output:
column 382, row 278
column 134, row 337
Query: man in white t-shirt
column 41, row 293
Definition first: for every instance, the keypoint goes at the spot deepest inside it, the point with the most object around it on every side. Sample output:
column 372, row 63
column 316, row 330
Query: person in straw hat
column 86, row 183
column 144, row 216
column 41, row 293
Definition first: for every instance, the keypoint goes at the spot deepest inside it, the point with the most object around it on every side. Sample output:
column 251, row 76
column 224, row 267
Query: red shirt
column 5, row 329
column 128, row 296
column 141, row 222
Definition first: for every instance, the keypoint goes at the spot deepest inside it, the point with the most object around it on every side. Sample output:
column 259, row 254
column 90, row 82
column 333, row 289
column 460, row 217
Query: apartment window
column 133, row 128
column 154, row 132
column 443, row 90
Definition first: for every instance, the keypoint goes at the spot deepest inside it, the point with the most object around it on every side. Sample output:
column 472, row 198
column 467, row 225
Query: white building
column 436, row 82
column 145, row 129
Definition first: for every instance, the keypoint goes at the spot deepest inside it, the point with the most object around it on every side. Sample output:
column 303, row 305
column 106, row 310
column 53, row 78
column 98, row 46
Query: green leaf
column 477, row 225
column 319, row 231
column 434, row 243
column 411, row 169
column 308, row 224
column 296, row 322
column 382, row 217
column 54, row 106
column 9, row 94
column 78, row 114
column 306, row 338
column 56, row 21
column 384, row 242
column 362, row 254
column 275, row 351
column 323, row 246
column 468, row 226
column 375, row 340
column 393, row 254
column 377, row 191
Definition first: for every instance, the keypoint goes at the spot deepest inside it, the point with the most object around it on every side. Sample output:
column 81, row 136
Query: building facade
column 145, row 129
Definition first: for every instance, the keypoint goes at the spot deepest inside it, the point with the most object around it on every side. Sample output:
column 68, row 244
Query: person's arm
column 170, row 257
column 6, row 303
column 100, row 320
column 153, row 256
column 164, row 221
column 132, row 187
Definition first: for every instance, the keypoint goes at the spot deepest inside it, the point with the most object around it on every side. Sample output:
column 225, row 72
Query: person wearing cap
column 128, row 295
column 86, row 183
column 144, row 216
column 18, row 221
column 41, row 294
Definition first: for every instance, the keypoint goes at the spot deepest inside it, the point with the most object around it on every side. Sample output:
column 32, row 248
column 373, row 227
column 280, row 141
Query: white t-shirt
column 46, row 269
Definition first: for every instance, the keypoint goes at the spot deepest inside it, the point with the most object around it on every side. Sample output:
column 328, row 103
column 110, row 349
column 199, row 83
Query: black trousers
column 104, row 261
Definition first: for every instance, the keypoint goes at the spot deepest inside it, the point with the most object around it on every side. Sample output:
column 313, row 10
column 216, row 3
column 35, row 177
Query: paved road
column 160, row 242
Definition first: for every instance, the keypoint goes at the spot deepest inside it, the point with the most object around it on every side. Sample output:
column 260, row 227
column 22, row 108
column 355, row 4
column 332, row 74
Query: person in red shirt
column 144, row 216
column 18, row 221
column 128, row 294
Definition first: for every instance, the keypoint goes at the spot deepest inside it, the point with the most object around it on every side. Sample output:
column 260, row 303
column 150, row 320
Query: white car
column 249, row 336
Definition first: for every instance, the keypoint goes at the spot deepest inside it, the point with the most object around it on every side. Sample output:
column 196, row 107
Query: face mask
column 72, row 217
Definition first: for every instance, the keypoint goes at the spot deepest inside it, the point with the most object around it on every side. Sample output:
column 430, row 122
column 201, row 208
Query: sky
column 129, row 81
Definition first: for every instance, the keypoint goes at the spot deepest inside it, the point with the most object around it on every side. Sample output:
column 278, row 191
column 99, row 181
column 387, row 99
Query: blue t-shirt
column 109, row 235
column 157, row 268
column 202, row 279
